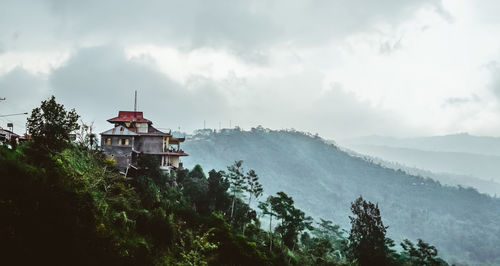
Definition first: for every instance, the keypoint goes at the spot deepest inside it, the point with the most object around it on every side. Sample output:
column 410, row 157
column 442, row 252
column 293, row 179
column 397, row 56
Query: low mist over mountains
column 484, row 186
column 471, row 160
column 460, row 143
column 323, row 179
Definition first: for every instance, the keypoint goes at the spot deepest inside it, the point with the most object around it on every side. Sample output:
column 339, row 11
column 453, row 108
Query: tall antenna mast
column 135, row 105
column 135, row 102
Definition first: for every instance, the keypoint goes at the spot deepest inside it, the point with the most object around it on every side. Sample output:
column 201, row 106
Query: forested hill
column 462, row 223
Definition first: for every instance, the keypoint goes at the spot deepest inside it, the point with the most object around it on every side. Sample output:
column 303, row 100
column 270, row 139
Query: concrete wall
column 121, row 153
column 149, row 144
column 115, row 141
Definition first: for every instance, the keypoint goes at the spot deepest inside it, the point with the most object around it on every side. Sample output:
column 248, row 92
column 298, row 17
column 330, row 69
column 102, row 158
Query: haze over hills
column 323, row 180
column 460, row 154
column 460, row 143
column 484, row 186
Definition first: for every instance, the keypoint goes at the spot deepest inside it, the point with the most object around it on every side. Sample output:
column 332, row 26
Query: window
column 142, row 127
column 123, row 142
column 108, row 141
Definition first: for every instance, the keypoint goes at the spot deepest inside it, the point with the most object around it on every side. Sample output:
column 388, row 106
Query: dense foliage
column 50, row 124
column 71, row 207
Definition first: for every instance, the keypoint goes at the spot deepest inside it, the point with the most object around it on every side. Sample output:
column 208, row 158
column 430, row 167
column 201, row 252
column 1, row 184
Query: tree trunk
column 290, row 258
column 270, row 235
column 245, row 225
column 232, row 206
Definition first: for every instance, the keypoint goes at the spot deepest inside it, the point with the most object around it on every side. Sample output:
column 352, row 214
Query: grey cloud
column 342, row 114
column 20, row 86
column 390, row 47
column 241, row 26
column 456, row 101
column 22, row 91
column 334, row 113
column 494, row 68
column 100, row 81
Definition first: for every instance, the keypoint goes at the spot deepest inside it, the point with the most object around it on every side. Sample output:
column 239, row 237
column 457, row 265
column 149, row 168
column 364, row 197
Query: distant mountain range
column 459, row 143
column 452, row 155
column 484, row 186
column 324, row 179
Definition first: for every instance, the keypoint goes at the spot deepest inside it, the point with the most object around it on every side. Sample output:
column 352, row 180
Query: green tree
column 317, row 250
column 293, row 220
column 327, row 231
column 197, row 172
column 236, row 180
column 217, row 191
column 50, row 124
column 367, row 237
column 195, row 188
column 265, row 207
column 253, row 188
column 423, row 254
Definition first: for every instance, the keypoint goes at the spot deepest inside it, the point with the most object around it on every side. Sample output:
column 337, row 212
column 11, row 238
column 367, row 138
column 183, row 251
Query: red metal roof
column 129, row 116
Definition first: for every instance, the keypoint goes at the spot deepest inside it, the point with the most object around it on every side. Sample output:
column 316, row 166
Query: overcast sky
column 339, row 68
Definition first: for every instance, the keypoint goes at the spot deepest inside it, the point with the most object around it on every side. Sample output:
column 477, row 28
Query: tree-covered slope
column 64, row 203
column 323, row 180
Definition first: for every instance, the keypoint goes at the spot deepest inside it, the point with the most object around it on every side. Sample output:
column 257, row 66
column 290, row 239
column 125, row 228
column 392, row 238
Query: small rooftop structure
column 129, row 116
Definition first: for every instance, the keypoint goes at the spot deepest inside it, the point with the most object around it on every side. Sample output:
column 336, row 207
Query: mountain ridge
column 324, row 180
column 460, row 142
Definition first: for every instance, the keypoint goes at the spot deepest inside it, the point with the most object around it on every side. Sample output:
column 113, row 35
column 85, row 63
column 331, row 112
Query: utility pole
column 204, row 124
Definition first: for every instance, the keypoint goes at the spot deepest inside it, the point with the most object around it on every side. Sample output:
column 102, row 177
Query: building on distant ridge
column 133, row 136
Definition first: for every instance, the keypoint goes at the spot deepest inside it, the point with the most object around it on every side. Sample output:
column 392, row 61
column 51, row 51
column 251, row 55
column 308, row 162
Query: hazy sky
column 338, row 68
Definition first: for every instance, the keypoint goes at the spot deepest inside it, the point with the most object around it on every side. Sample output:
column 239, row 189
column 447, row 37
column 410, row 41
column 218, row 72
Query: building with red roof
column 133, row 136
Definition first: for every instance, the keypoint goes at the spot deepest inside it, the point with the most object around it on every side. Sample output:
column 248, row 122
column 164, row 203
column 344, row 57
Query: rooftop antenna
column 135, row 104
column 135, row 101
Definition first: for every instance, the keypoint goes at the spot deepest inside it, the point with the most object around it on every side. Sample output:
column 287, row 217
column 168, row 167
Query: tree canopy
column 50, row 124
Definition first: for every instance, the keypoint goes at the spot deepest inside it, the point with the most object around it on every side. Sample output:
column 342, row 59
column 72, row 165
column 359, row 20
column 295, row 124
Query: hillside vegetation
column 64, row 203
column 323, row 180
